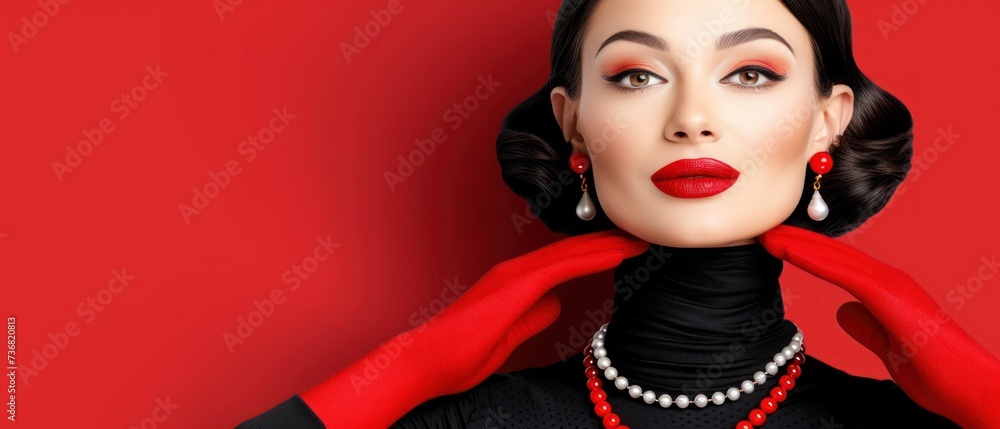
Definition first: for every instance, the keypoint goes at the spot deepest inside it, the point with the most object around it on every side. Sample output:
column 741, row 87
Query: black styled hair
column 870, row 159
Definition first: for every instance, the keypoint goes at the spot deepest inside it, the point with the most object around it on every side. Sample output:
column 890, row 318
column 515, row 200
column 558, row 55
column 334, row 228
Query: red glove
column 469, row 340
column 928, row 355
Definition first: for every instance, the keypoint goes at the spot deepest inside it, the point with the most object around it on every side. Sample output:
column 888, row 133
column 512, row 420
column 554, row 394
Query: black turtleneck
column 686, row 321
column 690, row 320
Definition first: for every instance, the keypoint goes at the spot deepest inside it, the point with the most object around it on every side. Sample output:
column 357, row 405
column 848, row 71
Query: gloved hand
column 929, row 356
column 471, row 338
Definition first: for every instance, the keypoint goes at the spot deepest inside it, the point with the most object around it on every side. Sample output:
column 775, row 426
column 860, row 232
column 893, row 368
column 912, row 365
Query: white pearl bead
column 665, row 401
column 682, row 401
column 747, row 386
column 787, row 351
column 718, row 398
column 604, row 327
column 599, row 335
column 603, row 363
column 610, row 373
column 797, row 337
column 648, row 397
column 733, row 393
column 795, row 346
column 771, row 368
column 759, row 377
column 634, row 391
column 701, row 400
column 621, row 383
column 600, row 352
column 818, row 210
column 779, row 359
column 597, row 343
column 586, row 210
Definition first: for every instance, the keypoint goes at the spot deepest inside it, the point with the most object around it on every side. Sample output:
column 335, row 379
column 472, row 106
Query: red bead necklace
column 756, row 418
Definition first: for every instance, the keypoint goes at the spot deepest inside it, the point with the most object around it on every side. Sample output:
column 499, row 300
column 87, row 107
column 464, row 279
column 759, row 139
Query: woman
column 732, row 135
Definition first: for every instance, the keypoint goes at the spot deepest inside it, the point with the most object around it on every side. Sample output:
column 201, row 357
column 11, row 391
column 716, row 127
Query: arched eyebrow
column 727, row 40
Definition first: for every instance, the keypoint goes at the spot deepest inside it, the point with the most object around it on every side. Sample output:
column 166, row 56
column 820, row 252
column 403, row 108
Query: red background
column 162, row 335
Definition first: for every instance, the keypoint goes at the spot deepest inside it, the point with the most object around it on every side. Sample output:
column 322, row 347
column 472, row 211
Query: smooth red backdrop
column 161, row 338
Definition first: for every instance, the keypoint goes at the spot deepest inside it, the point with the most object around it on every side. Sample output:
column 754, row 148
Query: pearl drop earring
column 820, row 163
column 579, row 163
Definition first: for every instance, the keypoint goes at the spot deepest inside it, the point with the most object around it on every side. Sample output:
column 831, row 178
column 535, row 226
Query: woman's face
column 665, row 82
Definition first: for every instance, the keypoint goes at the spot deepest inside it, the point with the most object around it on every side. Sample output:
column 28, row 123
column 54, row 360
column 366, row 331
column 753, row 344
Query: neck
column 697, row 319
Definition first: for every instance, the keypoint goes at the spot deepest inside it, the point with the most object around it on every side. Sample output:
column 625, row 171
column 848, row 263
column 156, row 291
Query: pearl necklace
column 596, row 357
column 700, row 400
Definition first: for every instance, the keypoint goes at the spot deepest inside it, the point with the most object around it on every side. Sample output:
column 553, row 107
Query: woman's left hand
column 929, row 356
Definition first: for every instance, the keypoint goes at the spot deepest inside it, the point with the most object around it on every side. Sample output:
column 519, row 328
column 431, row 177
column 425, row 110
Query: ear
column 838, row 109
column 564, row 109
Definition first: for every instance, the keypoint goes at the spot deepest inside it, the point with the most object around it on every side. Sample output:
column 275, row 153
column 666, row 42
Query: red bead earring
column 579, row 163
column 820, row 163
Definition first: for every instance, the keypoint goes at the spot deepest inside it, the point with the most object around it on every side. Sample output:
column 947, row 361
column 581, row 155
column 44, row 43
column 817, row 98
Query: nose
column 692, row 121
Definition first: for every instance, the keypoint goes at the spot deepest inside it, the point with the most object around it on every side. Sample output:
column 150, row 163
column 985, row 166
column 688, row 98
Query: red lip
column 694, row 178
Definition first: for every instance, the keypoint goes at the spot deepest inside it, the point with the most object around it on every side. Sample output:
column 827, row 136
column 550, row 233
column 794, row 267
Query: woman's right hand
column 471, row 338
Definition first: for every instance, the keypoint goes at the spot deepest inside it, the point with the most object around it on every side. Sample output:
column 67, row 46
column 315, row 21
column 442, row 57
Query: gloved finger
column 572, row 248
column 535, row 320
column 859, row 323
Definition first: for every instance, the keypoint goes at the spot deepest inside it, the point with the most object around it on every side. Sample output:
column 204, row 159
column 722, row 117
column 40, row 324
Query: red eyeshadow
column 767, row 64
column 620, row 68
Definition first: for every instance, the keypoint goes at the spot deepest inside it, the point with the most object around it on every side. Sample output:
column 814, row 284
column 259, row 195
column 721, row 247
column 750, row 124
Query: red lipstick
column 694, row 178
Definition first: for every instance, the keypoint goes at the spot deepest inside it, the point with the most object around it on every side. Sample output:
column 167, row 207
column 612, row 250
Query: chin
column 695, row 236
column 714, row 226
column 702, row 241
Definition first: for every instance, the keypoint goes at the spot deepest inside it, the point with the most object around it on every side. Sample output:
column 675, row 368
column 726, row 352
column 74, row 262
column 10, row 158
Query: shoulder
column 840, row 398
column 553, row 395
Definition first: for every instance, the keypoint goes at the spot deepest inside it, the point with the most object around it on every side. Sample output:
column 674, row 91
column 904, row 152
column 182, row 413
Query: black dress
column 685, row 321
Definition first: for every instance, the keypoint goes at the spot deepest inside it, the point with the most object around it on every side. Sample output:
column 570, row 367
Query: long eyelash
column 770, row 74
column 624, row 89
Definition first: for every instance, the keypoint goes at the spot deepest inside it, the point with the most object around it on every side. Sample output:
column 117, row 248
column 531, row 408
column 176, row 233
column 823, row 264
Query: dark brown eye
column 749, row 77
column 639, row 79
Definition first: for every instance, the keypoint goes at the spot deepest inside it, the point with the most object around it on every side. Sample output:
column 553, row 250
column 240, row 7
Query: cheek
column 612, row 139
column 617, row 139
column 774, row 160
column 618, row 130
column 776, row 142
column 772, row 167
